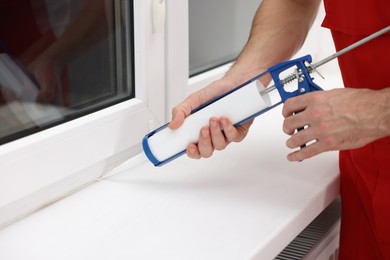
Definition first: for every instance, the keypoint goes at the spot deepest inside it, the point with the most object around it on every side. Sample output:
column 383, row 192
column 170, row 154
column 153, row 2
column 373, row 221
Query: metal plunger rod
column 312, row 67
column 351, row 47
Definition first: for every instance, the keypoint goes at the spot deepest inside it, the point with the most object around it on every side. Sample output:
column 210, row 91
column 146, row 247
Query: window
column 221, row 33
column 107, row 91
column 76, row 60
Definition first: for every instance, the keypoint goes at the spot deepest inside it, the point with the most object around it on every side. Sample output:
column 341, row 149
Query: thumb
column 178, row 117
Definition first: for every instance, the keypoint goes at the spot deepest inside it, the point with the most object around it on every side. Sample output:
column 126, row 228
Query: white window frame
column 43, row 167
column 178, row 82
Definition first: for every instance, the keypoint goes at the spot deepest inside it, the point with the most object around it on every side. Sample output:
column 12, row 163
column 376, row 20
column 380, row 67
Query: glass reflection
column 60, row 60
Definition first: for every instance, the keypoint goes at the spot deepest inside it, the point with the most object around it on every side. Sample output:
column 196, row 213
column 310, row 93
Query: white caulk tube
column 239, row 105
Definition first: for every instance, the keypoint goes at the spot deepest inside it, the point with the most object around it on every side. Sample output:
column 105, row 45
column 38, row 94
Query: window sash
column 43, row 167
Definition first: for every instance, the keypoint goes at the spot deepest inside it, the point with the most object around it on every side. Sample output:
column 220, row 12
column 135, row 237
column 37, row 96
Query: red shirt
column 357, row 17
column 364, row 172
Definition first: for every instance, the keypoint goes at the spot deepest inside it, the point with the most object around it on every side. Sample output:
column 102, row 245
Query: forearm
column 278, row 31
column 384, row 113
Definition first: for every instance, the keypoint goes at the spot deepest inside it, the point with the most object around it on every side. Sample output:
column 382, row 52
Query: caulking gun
column 240, row 104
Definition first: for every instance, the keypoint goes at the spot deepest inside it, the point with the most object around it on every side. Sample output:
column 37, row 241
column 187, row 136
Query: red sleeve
column 357, row 17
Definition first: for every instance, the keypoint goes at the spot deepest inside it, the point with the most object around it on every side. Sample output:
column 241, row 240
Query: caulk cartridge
column 240, row 105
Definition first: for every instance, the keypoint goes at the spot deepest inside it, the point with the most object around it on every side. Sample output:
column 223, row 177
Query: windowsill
column 245, row 201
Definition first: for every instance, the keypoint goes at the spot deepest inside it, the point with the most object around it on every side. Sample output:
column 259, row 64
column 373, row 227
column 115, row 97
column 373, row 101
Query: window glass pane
column 60, row 60
column 218, row 30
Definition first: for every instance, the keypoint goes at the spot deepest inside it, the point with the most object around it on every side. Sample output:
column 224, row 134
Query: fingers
column 204, row 147
column 220, row 132
column 293, row 122
column 205, row 144
column 211, row 138
column 308, row 113
column 178, row 117
column 180, row 112
column 219, row 141
column 294, row 105
column 297, row 126
column 193, row 152
column 306, row 153
column 235, row 133
column 300, row 138
column 216, row 136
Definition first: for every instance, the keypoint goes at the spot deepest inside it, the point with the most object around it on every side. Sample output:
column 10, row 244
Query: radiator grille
column 311, row 236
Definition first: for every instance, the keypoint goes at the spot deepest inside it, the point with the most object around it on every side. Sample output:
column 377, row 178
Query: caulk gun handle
column 305, row 82
column 300, row 129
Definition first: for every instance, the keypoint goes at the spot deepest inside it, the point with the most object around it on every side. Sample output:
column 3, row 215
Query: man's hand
column 220, row 131
column 337, row 119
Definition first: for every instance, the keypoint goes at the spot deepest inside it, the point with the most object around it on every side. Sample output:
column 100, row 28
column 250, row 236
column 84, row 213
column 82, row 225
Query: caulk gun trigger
column 310, row 67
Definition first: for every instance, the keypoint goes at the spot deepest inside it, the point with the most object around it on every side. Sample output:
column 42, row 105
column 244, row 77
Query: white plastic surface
column 244, row 203
column 237, row 106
